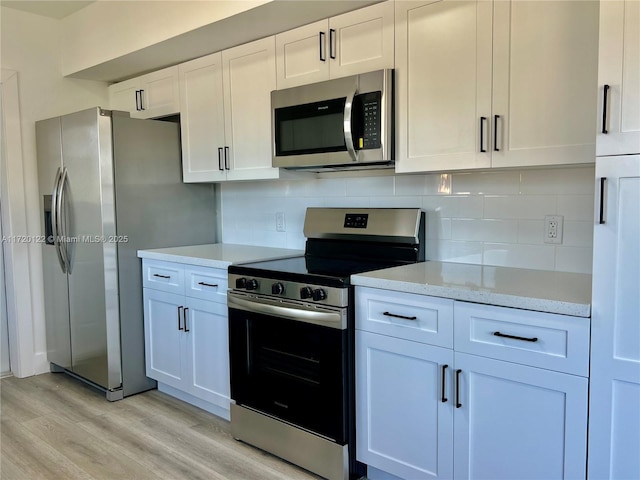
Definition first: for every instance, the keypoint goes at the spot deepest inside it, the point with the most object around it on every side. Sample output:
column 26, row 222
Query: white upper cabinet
column 495, row 84
column 150, row 96
column 443, row 85
column 545, row 63
column 619, row 78
column 226, row 114
column 355, row 42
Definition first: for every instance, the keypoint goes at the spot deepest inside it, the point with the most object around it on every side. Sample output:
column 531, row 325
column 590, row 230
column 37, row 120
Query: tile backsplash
column 490, row 218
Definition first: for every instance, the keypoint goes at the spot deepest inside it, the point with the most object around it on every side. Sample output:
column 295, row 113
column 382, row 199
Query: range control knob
column 252, row 284
column 241, row 282
column 277, row 288
column 319, row 294
column 306, row 292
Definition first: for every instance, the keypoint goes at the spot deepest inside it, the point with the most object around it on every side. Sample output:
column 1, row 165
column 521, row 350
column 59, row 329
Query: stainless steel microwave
column 336, row 124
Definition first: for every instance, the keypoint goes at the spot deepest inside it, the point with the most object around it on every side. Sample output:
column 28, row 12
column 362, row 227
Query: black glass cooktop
column 320, row 270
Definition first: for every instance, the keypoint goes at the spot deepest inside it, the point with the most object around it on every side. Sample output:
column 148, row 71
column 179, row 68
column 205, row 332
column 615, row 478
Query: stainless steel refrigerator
column 109, row 185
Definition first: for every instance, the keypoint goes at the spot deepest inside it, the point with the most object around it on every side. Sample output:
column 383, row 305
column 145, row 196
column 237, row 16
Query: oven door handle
column 332, row 319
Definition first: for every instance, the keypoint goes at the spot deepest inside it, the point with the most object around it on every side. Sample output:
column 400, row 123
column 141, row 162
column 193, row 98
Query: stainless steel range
column 291, row 332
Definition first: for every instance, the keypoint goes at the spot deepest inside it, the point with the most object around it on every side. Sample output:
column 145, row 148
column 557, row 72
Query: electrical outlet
column 553, row 228
column 280, row 222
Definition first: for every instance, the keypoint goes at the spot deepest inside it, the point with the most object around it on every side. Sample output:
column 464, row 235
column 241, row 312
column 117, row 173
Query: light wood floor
column 54, row 427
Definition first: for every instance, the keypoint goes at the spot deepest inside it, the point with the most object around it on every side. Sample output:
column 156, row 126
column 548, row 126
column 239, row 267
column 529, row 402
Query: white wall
column 489, row 218
column 30, row 45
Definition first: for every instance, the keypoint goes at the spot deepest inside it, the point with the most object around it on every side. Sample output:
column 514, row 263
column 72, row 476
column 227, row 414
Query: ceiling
column 48, row 8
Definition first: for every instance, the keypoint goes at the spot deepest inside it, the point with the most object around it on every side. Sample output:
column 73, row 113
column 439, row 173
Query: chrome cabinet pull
column 515, row 337
column 603, row 182
column 161, row 276
column 389, row 314
column 208, row 284
column 179, row 316
column 605, row 98
column 443, row 398
column 458, row 404
column 184, row 314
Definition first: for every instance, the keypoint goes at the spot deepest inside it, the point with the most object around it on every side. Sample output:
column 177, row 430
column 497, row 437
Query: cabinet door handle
column 482, row 120
column 323, row 57
column 226, row 158
column 220, row 167
column 603, row 182
column 208, row 284
column 388, row 314
column 605, row 101
column 161, row 276
column 179, row 317
column 515, row 337
column 332, row 43
column 495, row 133
column 138, row 100
column 184, row 313
column 458, row 404
column 142, row 100
column 443, row 398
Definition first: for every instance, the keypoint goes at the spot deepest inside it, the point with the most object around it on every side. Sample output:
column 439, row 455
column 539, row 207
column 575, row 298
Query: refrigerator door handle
column 54, row 219
column 59, row 205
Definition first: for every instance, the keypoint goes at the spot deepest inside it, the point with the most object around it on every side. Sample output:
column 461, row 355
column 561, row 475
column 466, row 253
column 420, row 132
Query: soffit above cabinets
column 265, row 20
column 50, row 8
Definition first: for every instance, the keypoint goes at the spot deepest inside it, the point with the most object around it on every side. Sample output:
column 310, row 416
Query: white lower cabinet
column 425, row 411
column 186, row 333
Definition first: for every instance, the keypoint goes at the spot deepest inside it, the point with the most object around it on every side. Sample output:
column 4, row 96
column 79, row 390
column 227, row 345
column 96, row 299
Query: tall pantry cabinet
column 614, row 399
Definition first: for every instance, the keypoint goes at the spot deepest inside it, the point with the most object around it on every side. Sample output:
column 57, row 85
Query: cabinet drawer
column 551, row 341
column 165, row 276
column 404, row 315
column 206, row 283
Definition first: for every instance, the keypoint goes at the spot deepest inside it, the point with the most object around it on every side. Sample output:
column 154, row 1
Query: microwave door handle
column 348, row 135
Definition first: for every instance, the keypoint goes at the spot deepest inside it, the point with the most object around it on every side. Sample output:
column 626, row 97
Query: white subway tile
column 437, row 228
column 346, row 202
column 370, row 186
column 576, row 207
column 538, row 257
column 483, row 183
column 562, row 181
column 396, row 202
column 531, row 232
column 577, row 234
column 574, row 259
column 454, row 206
column 327, row 187
column 469, row 230
column 526, row 207
column 452, row 251
column 432, row 184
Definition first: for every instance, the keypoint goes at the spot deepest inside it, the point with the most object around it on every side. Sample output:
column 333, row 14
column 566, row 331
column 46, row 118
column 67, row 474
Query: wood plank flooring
column 54, row 427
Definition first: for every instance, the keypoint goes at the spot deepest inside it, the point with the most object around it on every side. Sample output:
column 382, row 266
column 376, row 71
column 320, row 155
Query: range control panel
column 356, row 220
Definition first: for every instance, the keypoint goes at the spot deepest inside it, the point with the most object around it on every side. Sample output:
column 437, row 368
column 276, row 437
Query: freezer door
column 56, row 293
column 89, row 222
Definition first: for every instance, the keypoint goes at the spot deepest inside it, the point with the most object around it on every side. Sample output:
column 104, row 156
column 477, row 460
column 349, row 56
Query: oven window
column 310, row 128
column 291, row 370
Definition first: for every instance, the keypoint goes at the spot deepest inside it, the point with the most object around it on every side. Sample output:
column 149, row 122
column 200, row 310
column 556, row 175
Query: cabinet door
column 208, row 351
column 249, row 76
column 302, row 55
column 614, row 417
column 619, row 70
column 544, row 82
column 202, row 119
column 402, row 425
column 163, row 337
column 517, row 422
column 160, row 94
column 361, row 41
column 443, row 85
column 123, row 96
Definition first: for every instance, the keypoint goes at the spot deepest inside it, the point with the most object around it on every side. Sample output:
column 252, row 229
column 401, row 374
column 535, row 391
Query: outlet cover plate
column 553, row 226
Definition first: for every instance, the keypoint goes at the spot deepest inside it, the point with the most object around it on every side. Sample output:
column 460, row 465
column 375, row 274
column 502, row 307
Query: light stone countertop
column 539, row 290
column 218, row 255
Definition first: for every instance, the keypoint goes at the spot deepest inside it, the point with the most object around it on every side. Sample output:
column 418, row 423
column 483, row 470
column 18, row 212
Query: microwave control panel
column 368, row 135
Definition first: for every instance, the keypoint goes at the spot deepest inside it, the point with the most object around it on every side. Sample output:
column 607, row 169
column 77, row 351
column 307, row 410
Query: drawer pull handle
column 208, row 284
column 444, row 399
column 161, row 276
column 515, row 337
column 399, row 316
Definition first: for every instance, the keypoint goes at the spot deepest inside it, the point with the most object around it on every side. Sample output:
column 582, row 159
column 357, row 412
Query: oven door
column 289, row 361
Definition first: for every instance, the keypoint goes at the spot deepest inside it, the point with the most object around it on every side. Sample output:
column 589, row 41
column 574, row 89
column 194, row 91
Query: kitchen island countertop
column 539, row 290
column 218, row 255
